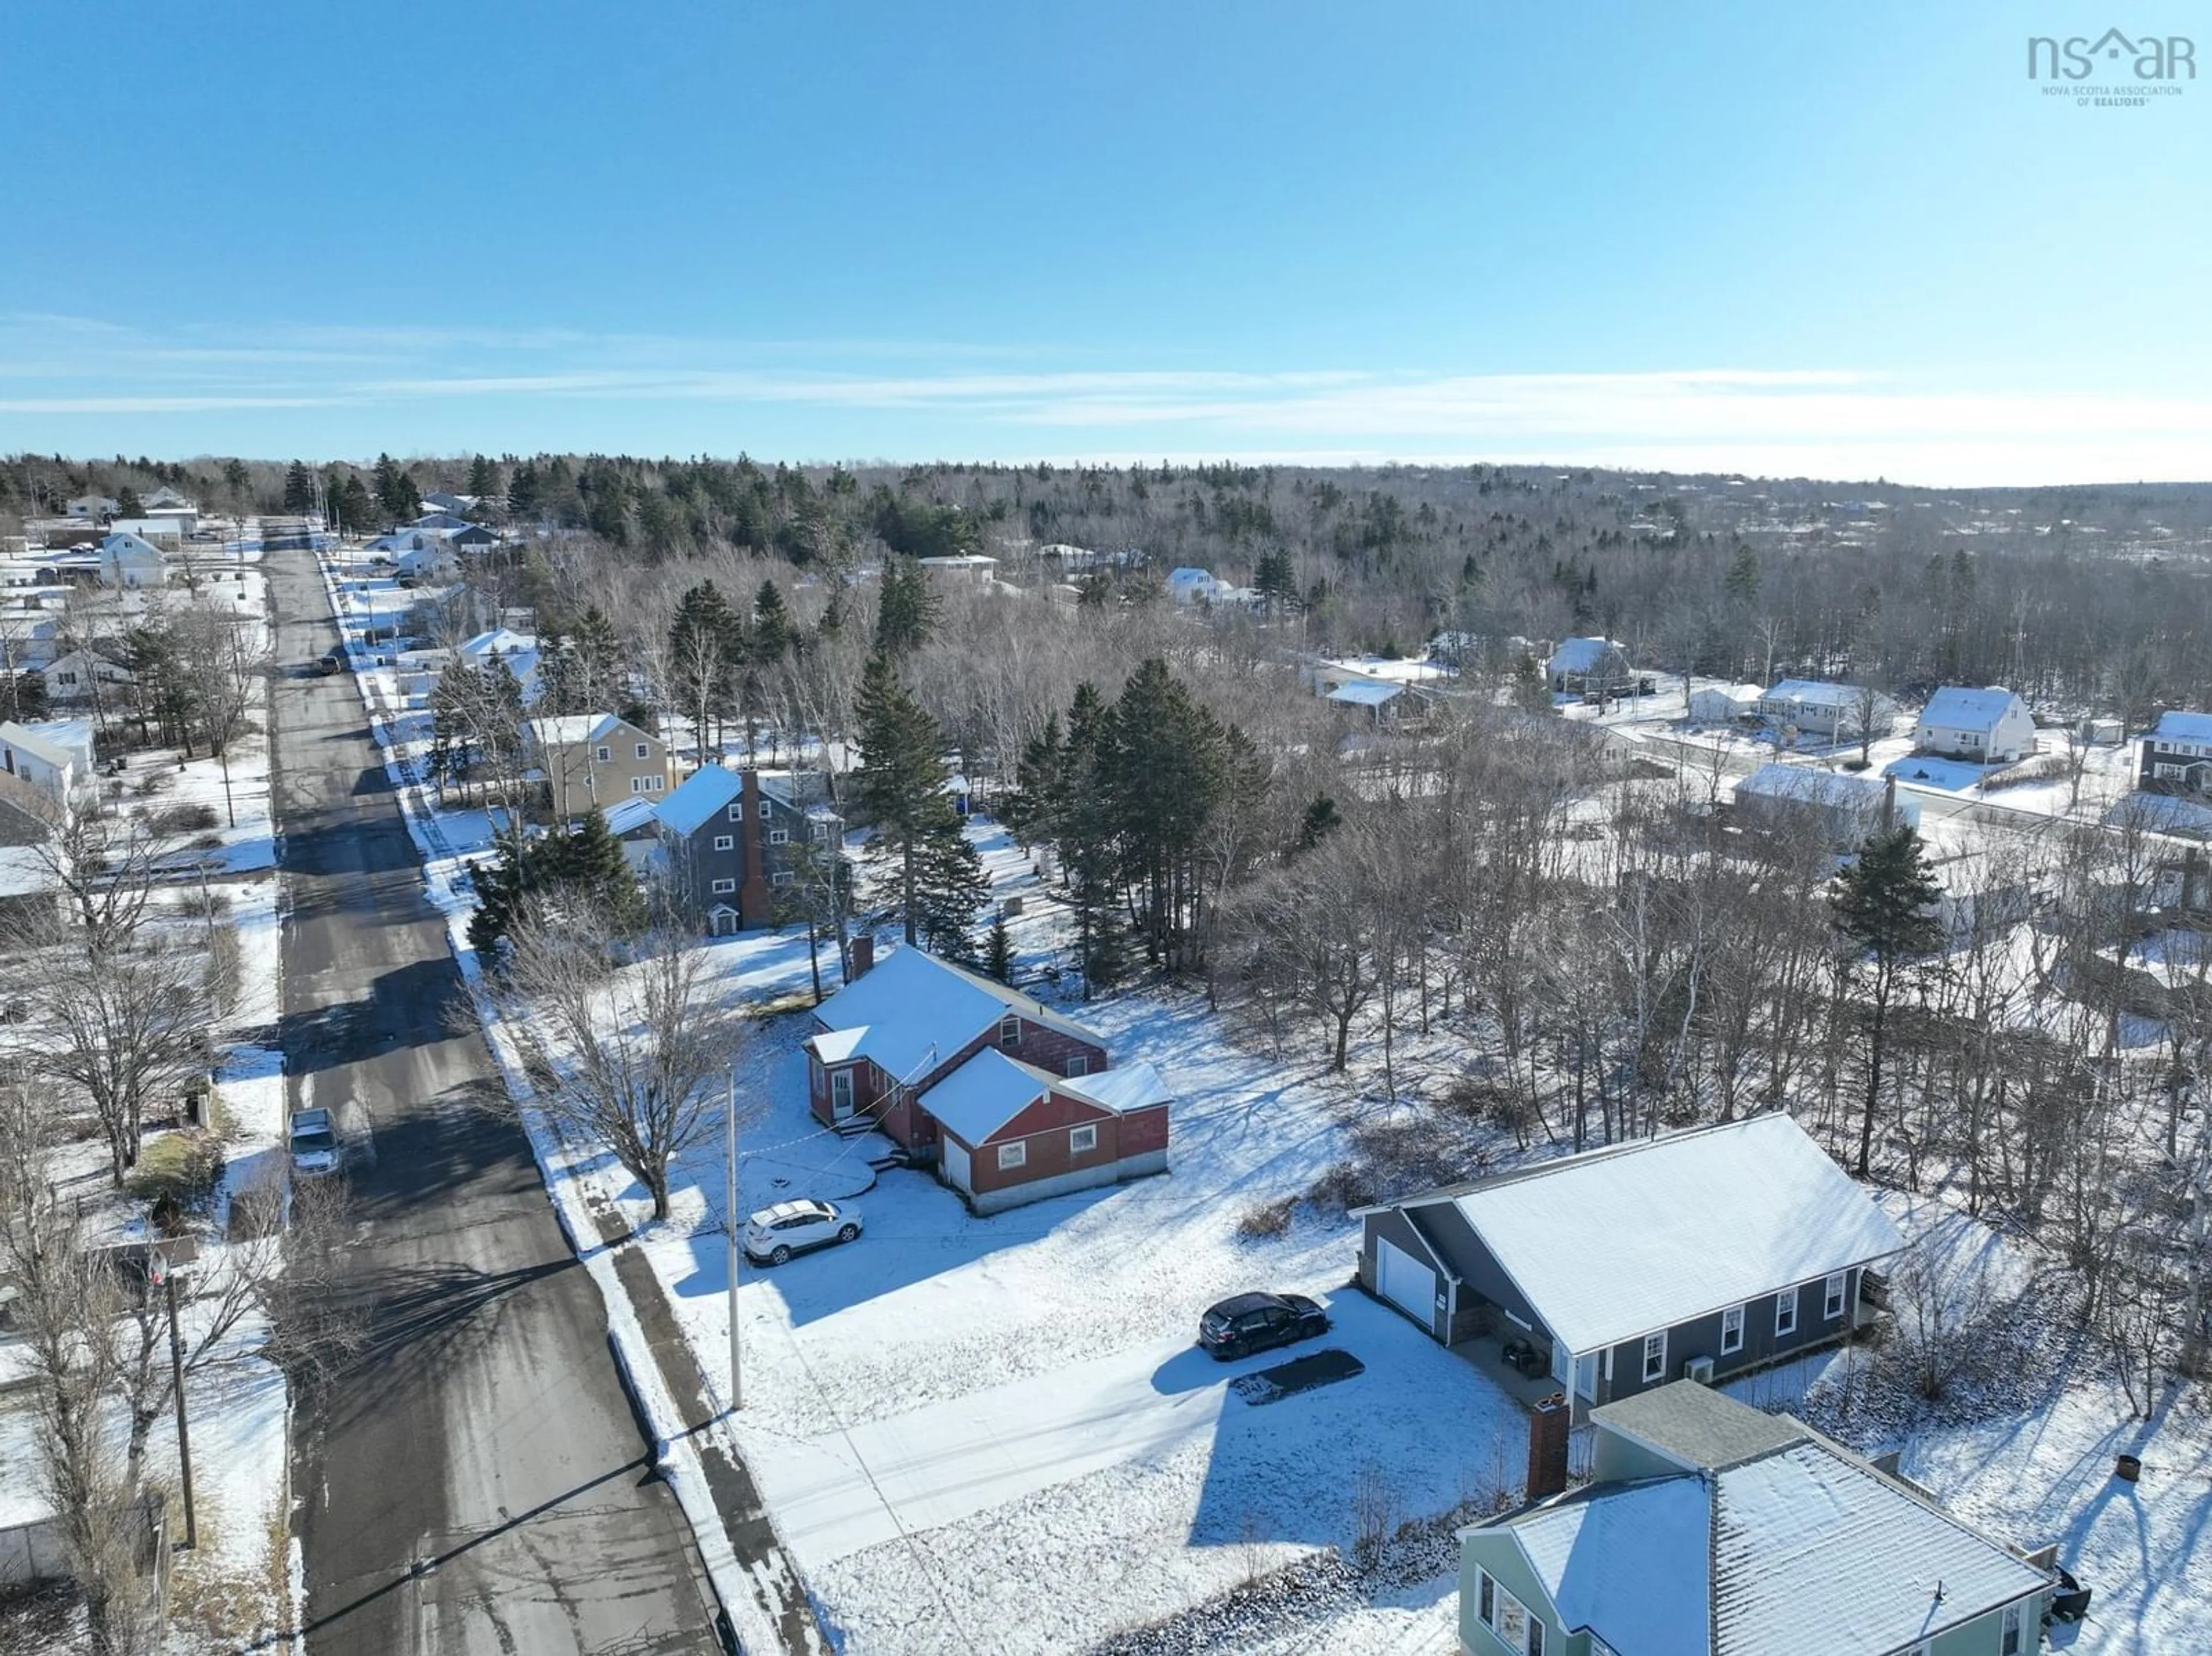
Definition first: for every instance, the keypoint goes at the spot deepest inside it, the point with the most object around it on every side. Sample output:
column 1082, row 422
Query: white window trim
column 737, row 810
column 725, row 842
column 1080, row 1140
column 1834, row 1288
column 655, row 784
column 1010, row 1030
column 644, row 752
column 1658, row 1371
column 1728, row 1350
column 1079, row 1063
column 1785, row 1301
column 779, row 836
column 2011, row 1630
column 637, row 784
column 605, row 756
column 1016, row 1155
column 781, row 876
column 723, row 888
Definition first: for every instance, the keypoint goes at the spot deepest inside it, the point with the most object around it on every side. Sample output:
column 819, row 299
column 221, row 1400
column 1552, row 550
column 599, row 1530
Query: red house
column 1013, row 1101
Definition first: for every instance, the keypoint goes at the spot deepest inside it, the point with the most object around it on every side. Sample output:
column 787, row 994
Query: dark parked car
column 1258, row 1322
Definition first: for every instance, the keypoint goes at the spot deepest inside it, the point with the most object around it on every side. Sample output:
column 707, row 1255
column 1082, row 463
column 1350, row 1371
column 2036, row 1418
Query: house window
column 1731, row 1331
column 1785, row 1312
column 779, row 836
column 738, row 811
column 1080, row 1140
column 643, row 752
column 725, row 842
column 1832, row 1297
column 781, row 876
column 1486, row 1598
column 821, row 830
column 1013, row 1155
column 654, row 784
column 637, row 784
column 1010, row 1031
column 603, row 755
column 1079, row 1063
column 1655, row 1356
column 2009, row 1644
column 723, row 888
column 65, row 678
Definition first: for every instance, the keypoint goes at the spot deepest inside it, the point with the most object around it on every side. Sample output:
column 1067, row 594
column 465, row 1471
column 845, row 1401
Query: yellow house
column 597, row 758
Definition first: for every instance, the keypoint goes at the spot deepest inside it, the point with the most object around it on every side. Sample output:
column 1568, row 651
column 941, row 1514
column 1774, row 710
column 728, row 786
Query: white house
column 93, row 507
column 1990, row 725
column 166, row 498
column 1581, row 666
column 518, row 650
column 77, row 676
column 1832, row 713
column 128, row 560
column 47, row 765
column 1848, row 809
column 167, row 533
column 1193, row 585
column 1724, row 704
column 962, row 568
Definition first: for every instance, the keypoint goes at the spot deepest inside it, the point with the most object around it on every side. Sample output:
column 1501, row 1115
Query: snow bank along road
column 475, row 1483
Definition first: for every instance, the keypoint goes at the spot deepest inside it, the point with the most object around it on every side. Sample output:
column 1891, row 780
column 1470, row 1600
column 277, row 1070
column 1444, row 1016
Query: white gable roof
column 567, row 730
column 1360, row 695
column 984, row 1094
column 1137, row 1086
column 1616, row 1243
column 1582, row 655
column 699, row 796
column 1810, row 785
column 41, row 748
column 1954, row 707
column 1631, row 1560
column 2183, row 727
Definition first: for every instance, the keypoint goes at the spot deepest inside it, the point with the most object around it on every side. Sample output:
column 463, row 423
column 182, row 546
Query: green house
column 1711, row 1529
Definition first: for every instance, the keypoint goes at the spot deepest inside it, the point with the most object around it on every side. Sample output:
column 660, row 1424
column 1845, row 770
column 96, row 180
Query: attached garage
column 1408, row 1283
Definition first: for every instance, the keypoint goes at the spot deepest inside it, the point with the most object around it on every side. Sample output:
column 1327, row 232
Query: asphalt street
column 475, row 1482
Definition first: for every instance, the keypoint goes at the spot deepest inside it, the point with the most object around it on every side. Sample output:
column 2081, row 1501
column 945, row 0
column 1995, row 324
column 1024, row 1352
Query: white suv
column 774, row 1235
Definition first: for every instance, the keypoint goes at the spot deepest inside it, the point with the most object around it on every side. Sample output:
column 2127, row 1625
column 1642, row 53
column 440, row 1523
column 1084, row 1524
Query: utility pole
column 177, row 1385
column 737, row 1391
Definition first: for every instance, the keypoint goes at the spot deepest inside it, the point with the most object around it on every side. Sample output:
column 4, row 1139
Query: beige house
column 597, row 758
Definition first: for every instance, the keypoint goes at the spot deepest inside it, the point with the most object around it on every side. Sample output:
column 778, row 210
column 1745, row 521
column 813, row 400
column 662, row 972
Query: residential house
column 518, row 650
column 1702, row 1252
column 1725, row 704
column 635, row 822
column 1013, row 1101
column 131, row 560
column 1831, row 713
column 1711, row 1529
column 1989, row 726
column 471, row 537
column 94, row 508
column 166, row 498
column 1193, row 585
column 596, row 759
column 441, row 520
column 1590, row 666
column 460, row 506
column 961, row 569
column 164, row 533
column 1380, row 702
column 1847, row 810
column 38, row 758
column 81, row 676
column 2176, row 754
column 732, row 839
column 186, row 516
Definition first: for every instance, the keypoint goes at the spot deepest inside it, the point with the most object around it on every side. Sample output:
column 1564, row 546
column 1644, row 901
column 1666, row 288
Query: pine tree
column 127, row 503
column 999, row 956
column 1034, row 810
column 950, row 889
column 1163, row 773
column 771, row 624
column 1319, row 820
column 483, row 477
column 900, row 787
column 1882, row 904
column 698, row 653
column 1275, row 580
column 397, row 496
column 906, row 607
column 298, row 487
column 523, row 492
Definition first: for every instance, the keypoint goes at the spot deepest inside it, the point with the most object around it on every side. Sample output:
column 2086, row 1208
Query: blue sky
column 1844, row 240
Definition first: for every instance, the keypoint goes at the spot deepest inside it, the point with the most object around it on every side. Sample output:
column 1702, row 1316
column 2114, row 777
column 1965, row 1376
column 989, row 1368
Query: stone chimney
column 861, row 955
column 1549, row 1424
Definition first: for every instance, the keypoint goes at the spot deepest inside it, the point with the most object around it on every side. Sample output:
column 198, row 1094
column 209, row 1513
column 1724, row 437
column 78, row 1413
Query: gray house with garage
column 1695, row 1255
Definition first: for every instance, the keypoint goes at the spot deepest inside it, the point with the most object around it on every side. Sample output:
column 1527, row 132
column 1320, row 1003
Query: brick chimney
column 861, row 955
column 1549, row 1422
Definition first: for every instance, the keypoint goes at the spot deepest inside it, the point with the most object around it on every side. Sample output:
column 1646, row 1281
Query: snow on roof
column 72, row 734
column 503, row 641
column 1815, row 1551
column 1697, row 1426
column 1136, row 1087
column 628, row 815
column 835, row 1045
column 700, row 796
column 1581, row 655
column 2161, row 813
column 1811, row 692
column 129, row 545
column 567, row 730
column 984, row 1094
column 1609, row 1244
column 1744, row 693
column 914, row 1004
column 2183, row 727
column 1360, row 695
column 1812, row 787
column 39, row 747
column 1631, row 1560
column 1954, row 707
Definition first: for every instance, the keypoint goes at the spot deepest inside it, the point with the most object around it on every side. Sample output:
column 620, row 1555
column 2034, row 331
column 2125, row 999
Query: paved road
column 476, row 1482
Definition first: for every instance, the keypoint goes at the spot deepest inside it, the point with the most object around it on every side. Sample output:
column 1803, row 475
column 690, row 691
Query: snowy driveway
column 835, row 1494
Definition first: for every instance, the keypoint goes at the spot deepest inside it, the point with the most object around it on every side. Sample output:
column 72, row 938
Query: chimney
column 861, row 955
column 1549, row 1422
column 1888, row 804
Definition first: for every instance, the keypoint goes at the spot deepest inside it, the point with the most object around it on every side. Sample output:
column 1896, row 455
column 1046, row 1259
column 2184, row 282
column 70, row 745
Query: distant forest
column 2091, row 599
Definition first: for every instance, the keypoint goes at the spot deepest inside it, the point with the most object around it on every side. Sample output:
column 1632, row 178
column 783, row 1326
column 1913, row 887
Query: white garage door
column 956, row 1166
column 1406, row 1282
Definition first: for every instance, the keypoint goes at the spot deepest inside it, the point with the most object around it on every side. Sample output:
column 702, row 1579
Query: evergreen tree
column 127, row 503
column 1034, row 808
column 1532, row 692
column 298, row 487
column 1881, row 905
column 576, row 871
column 598, row 648
column 698, row 653
column 1163, row 773
column 397, row 497
column 523, row 492
column 483, row 477
column 900, row 788
column 771, row 624
column 999, row 956
column 1319, row 820
column 906, row 607
column 1275, row 580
